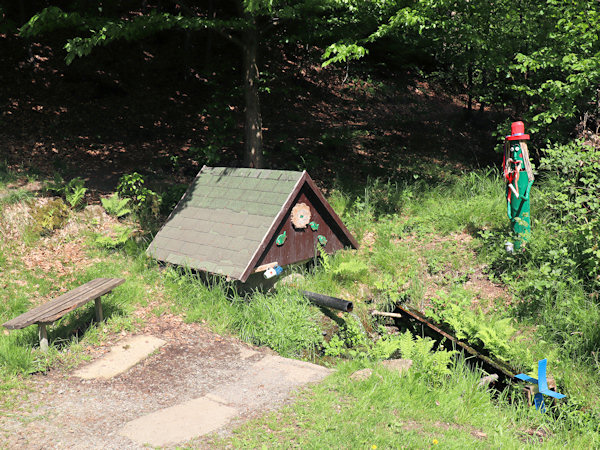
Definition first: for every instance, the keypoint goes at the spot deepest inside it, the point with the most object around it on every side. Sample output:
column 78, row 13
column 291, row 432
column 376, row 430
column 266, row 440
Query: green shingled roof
column 221, row 220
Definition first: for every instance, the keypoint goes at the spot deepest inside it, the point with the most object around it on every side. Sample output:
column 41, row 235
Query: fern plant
column 351, row 270
column 432, row 365
column 116, row 206
column 496, row 335
column 75, row 192
column 121, row 235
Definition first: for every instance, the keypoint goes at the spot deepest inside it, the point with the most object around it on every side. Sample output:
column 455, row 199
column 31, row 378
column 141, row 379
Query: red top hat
column 517, row 130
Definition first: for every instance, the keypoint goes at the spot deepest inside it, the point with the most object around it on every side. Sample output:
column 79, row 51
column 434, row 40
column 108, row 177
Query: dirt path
column 199, row 381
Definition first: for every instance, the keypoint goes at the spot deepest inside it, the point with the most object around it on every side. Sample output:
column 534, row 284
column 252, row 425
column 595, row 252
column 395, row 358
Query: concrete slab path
column 121, row 357
column 267, row 378
column 195, row 384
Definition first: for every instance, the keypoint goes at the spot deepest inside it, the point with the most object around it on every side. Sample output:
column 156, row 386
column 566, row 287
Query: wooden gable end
column 301, row 243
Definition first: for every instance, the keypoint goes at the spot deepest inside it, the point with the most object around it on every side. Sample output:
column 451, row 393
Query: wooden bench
column 55, row 309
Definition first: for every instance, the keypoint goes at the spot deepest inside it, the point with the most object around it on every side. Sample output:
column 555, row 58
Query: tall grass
column 282, row 320
column 388, row 410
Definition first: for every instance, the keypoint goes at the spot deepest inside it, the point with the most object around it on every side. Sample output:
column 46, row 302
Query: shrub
column 144, row 201
column 573, row 183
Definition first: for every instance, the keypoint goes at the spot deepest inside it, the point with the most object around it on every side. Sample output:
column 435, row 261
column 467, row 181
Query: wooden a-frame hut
column 237, row 221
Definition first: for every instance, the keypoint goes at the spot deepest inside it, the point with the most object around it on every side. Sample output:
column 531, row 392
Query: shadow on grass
column 72, row 327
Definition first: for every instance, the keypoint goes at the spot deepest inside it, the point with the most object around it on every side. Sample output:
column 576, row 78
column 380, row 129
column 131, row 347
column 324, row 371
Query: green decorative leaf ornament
column 281, row 238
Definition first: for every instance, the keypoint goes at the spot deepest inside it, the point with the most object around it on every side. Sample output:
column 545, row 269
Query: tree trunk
column 253, row 156
column 469, row 89
column 212, row 14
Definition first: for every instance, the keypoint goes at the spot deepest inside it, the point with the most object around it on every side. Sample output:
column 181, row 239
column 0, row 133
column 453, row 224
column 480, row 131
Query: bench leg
column 43, row 334
column 99, row 317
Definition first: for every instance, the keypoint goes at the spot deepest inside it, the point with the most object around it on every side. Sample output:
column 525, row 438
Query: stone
column 400, row 365
column 361, row 375
column 94, row 213
column 487, row 380
column 290, row 280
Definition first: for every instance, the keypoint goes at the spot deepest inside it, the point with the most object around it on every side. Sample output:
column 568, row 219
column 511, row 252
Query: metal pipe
column 329, row 302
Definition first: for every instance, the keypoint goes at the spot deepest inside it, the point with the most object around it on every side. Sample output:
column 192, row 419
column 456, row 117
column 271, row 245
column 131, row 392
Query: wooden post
column 98, row 308
column 43, row 334
column 386, row 314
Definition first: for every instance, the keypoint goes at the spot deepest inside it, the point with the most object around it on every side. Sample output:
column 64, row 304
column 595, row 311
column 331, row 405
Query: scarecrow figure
column 516, row 161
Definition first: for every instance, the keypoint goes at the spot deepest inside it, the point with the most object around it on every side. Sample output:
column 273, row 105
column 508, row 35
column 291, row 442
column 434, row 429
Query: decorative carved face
column 300, row 215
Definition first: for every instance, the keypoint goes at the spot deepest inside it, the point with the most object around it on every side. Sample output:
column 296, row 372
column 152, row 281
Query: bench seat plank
column 55, row 309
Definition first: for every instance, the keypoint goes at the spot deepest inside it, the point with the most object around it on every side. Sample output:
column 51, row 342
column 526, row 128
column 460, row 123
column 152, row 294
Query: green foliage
column 102, row 30
column 145, row 202
column 51, row 19
column 335, row 347
column 118, row 237
column 49, row 216
column 430, row 365
column 573, row 173
column 351, row 270
column 385, row 347
column 171, row 197
column 116, row 206
column 562, row 65
column 496, row 335
column 75, row 192
column 341, row 52
column 56, row 186
column 351, row 339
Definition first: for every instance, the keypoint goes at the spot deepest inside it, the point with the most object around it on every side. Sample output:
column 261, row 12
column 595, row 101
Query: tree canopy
column 539, row 58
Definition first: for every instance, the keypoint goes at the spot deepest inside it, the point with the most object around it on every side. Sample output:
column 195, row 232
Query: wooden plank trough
column 55, row 309
column 490, row 364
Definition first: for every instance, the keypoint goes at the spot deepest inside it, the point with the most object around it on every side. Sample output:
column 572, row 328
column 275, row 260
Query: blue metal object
column 542, row 385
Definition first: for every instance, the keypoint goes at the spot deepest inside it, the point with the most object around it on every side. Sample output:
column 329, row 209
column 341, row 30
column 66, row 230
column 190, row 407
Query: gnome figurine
column 515, row 163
